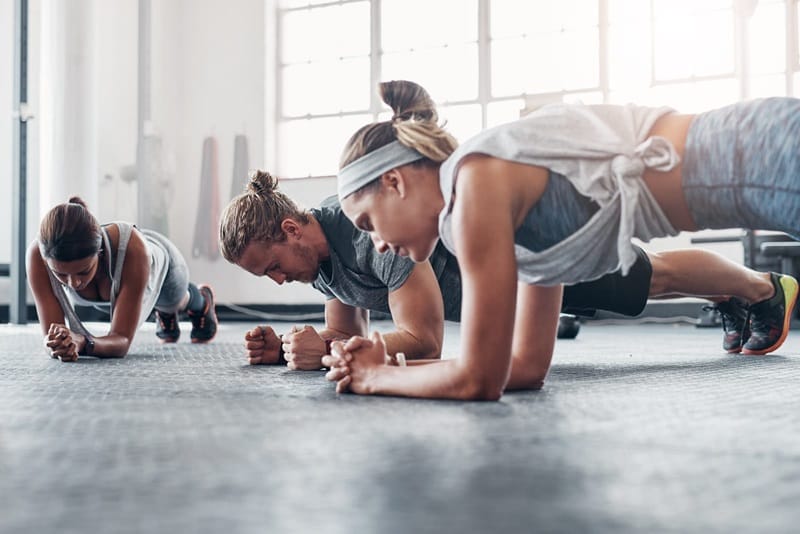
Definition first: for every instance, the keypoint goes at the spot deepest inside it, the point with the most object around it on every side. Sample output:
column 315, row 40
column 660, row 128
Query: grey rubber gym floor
column 640, row 428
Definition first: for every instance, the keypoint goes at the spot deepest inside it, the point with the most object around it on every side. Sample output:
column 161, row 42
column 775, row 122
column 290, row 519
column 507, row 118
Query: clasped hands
column 63, row 343
column 350, row 363
column 353, row 363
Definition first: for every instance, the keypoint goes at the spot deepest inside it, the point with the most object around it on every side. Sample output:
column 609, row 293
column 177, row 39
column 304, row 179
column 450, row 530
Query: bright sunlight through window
column 486, row 61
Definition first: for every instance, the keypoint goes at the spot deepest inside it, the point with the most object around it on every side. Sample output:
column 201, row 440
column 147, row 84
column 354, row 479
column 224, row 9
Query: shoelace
column 728, row 317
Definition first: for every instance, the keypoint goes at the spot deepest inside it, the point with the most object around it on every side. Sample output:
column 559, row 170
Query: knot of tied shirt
column 655, row 153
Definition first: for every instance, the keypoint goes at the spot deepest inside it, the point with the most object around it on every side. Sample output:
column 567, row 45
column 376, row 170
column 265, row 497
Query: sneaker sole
column 168, row 340
column 790, row 288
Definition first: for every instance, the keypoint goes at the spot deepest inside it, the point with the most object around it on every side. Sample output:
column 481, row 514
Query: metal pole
column 19, row 194
column 143, row 163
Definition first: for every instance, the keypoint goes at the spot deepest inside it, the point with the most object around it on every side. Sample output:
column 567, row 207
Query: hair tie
column 257, row 187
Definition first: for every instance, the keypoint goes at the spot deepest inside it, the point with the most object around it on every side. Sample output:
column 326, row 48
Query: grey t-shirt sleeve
column 324, row 289
column 389, row 268
column 355, row 273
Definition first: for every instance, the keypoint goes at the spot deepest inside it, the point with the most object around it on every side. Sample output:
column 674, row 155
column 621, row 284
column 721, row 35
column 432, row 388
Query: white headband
column 371, row 166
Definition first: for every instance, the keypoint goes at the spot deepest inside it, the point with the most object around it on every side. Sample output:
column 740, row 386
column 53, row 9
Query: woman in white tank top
column 116, row 268
column 398, row 183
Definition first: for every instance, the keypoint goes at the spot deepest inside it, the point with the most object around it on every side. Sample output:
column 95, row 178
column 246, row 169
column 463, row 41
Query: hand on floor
column 303, row 349
column 59, row 341
column 262, row 345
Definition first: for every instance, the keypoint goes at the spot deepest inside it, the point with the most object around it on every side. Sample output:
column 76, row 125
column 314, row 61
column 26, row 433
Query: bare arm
column 128, row 303
column 57, row 337
column 532, row 348
column 343, row 321
column 47, row 307
column 483, row 230
column 418, row 314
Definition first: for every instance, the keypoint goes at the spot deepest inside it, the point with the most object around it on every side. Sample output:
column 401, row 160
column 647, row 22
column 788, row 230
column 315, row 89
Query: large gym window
column 485, row 61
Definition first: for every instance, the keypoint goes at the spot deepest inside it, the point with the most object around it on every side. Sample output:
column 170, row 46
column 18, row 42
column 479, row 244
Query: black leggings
column 613, row 292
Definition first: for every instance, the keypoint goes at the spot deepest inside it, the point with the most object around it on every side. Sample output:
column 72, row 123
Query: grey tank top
column 115, row 261
column 560, row 212
column 602, row 151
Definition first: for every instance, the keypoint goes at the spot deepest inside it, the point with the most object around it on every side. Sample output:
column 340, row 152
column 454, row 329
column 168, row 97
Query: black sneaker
column 769, row 319
column 735, row 319
column 167, row 328
column 204, row 325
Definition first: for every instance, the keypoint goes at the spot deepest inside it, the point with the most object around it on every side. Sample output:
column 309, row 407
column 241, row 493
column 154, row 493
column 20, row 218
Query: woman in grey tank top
column 406, row 183
column 116, row 268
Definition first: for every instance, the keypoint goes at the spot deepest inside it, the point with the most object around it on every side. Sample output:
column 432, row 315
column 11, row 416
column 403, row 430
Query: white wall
column 209, row 80
column 116, row 31
column 6, row 103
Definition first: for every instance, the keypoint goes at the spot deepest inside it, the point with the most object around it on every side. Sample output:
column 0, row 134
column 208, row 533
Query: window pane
column 312, row 147
column 629, row 63
column 301, row 3
column 578, row 51
column 503, row 112
column 461, row 121
column 704, row 47
column 769, row 85
column 553, row 62
column 329, row 87
column 414, row 24
column 768, row 38
column 314, row 34
column 513, row 18
column 694, row 97
column 427, row 68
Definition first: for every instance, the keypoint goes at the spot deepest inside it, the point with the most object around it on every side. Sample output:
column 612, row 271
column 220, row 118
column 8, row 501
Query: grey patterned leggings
column 176, row 283
column 741, row 166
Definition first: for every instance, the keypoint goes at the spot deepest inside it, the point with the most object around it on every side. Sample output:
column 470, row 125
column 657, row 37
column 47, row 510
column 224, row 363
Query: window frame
column 374, row 108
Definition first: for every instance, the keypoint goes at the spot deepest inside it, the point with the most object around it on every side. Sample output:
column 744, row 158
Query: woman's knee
column 661, row 281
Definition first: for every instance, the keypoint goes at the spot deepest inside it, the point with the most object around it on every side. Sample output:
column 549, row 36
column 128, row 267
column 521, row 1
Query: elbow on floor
column 482, row 390
column 117, row 352
column 431, row 350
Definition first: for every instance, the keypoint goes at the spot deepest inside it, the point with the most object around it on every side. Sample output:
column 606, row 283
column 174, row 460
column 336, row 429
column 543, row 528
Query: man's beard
column 306, row 254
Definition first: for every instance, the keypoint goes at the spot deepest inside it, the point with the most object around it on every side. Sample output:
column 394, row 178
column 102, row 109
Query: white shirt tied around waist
column 603, row 151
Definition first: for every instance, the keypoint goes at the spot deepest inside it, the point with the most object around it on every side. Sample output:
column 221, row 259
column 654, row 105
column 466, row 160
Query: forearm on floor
column 413, row 347
column 524, row 376
column 443, row 379
column 109, row 346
